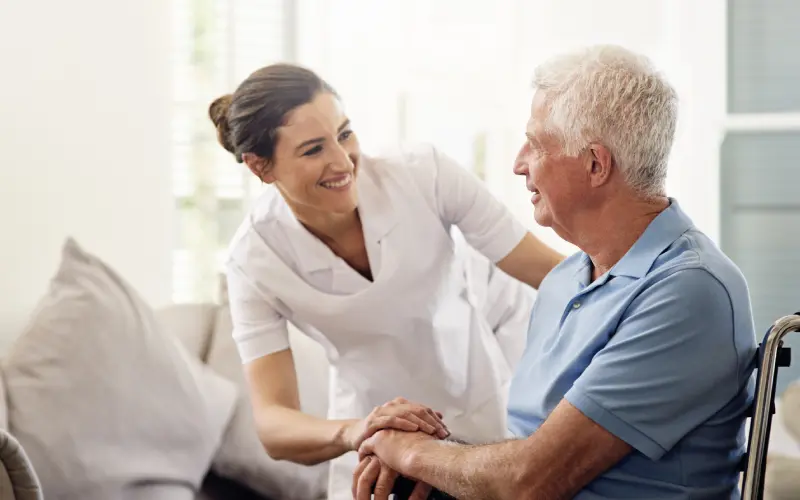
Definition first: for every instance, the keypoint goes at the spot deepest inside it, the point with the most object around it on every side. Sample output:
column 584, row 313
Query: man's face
column 559, row 183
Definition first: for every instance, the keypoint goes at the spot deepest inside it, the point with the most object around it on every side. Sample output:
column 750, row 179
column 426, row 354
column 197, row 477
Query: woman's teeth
column 337, row 184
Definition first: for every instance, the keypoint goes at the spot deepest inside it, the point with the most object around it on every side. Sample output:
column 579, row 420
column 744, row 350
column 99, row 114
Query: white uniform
column 419, row 329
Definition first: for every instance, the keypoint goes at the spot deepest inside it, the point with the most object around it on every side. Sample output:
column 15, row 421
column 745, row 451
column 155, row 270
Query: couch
column 108, row 398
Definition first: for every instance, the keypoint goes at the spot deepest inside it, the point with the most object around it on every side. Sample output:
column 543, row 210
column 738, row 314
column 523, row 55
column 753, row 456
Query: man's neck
column 609, row 236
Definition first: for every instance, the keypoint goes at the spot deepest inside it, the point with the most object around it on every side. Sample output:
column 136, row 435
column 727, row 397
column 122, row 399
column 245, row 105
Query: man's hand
column 394, row 448
column 373, row 477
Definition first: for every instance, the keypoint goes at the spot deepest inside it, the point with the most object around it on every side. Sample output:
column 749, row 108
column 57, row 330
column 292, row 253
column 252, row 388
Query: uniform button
column 576, row 305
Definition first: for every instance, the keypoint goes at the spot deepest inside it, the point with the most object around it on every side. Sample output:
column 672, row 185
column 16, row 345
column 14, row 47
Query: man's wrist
column 415, row 458
column 409, row 461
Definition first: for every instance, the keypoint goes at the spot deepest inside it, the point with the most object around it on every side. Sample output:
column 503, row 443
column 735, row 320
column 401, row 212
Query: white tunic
column 418, row 330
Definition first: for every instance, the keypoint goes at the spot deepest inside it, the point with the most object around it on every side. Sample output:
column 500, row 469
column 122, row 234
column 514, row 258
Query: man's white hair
column 610, row 95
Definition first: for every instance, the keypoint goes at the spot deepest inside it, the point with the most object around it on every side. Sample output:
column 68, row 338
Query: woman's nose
column 341, row 157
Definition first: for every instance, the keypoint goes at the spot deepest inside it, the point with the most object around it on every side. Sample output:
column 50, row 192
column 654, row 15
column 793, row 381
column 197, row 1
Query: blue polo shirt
column 659, row 351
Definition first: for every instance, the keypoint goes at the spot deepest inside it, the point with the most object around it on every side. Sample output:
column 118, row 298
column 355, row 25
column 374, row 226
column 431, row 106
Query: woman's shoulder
column 259, row 222
column 408, row 165
column 403, row 157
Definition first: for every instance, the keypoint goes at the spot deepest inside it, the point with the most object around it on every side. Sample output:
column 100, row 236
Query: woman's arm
column 487, row 224
column 289, row 434
column 285, row 431
column 530, row 261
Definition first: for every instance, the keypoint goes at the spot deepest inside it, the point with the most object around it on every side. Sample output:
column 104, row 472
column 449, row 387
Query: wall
column 84, row 144
column 685, row 38
column 468, row 71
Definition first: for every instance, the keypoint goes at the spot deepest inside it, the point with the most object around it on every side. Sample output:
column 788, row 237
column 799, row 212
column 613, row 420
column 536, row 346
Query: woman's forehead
column 323, row 113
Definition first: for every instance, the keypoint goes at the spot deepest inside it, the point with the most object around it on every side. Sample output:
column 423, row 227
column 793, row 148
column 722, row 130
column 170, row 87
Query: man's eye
column 313, row 151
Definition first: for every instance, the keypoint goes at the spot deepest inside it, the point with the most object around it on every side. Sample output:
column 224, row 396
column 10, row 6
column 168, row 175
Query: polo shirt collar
column 667, row 227
column 662, row 232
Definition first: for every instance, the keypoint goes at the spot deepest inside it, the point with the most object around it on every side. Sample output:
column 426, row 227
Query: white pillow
column 241, row 456
column 102, row 400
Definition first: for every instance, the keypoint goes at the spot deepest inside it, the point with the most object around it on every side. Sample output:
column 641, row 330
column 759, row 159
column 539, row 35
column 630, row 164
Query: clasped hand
column 385, row 433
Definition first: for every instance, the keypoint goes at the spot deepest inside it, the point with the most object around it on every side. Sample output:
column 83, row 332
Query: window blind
column 216, row 44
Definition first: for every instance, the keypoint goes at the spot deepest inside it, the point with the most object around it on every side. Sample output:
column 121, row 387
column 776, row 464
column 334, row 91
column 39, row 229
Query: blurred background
column 104, row 134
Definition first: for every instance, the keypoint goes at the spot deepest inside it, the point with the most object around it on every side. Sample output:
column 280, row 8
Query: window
column 760, row 211
column 211, row 190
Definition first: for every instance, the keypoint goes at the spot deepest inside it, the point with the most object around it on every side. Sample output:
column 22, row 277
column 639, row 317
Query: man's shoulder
column 693, row 278
column 694, row 259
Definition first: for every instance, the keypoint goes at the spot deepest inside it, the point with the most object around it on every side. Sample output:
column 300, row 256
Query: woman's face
column 316, row 158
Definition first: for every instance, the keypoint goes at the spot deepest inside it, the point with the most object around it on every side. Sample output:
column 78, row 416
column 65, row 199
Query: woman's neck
column 330, row 227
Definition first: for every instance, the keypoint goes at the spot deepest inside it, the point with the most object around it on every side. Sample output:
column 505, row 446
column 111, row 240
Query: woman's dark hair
column 247, row 121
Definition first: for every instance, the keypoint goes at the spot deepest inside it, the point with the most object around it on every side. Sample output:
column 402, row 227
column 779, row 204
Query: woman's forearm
column 295, row 436
column 530, row 261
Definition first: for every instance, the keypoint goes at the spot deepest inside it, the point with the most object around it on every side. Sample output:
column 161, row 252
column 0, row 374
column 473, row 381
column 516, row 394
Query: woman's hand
column 397, row 414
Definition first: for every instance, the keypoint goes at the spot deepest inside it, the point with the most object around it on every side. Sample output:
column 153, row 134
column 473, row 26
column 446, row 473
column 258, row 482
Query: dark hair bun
column 218, row 112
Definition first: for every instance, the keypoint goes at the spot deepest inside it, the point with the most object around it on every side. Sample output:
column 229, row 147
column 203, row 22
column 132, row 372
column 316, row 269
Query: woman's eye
column 313, row 151
column 345, row 135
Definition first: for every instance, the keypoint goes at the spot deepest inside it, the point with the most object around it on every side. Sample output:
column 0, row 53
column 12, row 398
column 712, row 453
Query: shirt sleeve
column 464, row 200
column 670, row 366
column 258, row 329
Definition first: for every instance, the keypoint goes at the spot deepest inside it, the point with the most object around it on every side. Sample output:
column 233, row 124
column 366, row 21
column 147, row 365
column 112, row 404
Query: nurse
column 359, row 253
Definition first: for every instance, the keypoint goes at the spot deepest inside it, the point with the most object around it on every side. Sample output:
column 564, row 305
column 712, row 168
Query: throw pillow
column 102, row 400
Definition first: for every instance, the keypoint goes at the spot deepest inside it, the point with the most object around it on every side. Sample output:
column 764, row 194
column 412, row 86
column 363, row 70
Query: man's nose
column 520, row 165
column 520, row 162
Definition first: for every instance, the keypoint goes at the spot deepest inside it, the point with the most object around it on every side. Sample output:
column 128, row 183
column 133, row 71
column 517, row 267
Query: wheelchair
column 771, row 356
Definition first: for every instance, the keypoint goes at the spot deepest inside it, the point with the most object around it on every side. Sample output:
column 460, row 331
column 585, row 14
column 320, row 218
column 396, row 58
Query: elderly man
column 638, row 367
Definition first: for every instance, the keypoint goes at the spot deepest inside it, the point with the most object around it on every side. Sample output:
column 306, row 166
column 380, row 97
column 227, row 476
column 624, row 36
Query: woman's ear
column 259, row 166
column 602, row 165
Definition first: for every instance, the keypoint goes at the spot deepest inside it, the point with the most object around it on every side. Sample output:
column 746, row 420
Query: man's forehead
column 538, row 114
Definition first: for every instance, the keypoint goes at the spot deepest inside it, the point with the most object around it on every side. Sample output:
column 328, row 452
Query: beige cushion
column 790, row 411
column 192, row 324
column 103, row 400
column 782, row 479
column 3, row 404
column 241, row 456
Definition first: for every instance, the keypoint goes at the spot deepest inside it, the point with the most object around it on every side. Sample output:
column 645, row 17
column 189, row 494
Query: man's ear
column 259, row 166
column 601, row 166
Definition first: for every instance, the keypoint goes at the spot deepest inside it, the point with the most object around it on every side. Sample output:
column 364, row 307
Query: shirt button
column 576, row 305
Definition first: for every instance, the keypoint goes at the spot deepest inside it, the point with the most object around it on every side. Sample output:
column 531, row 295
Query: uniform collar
column 667, row 227
column 378, row 216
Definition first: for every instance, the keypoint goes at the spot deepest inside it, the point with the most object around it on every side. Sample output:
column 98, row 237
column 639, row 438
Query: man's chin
column 541, row 218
